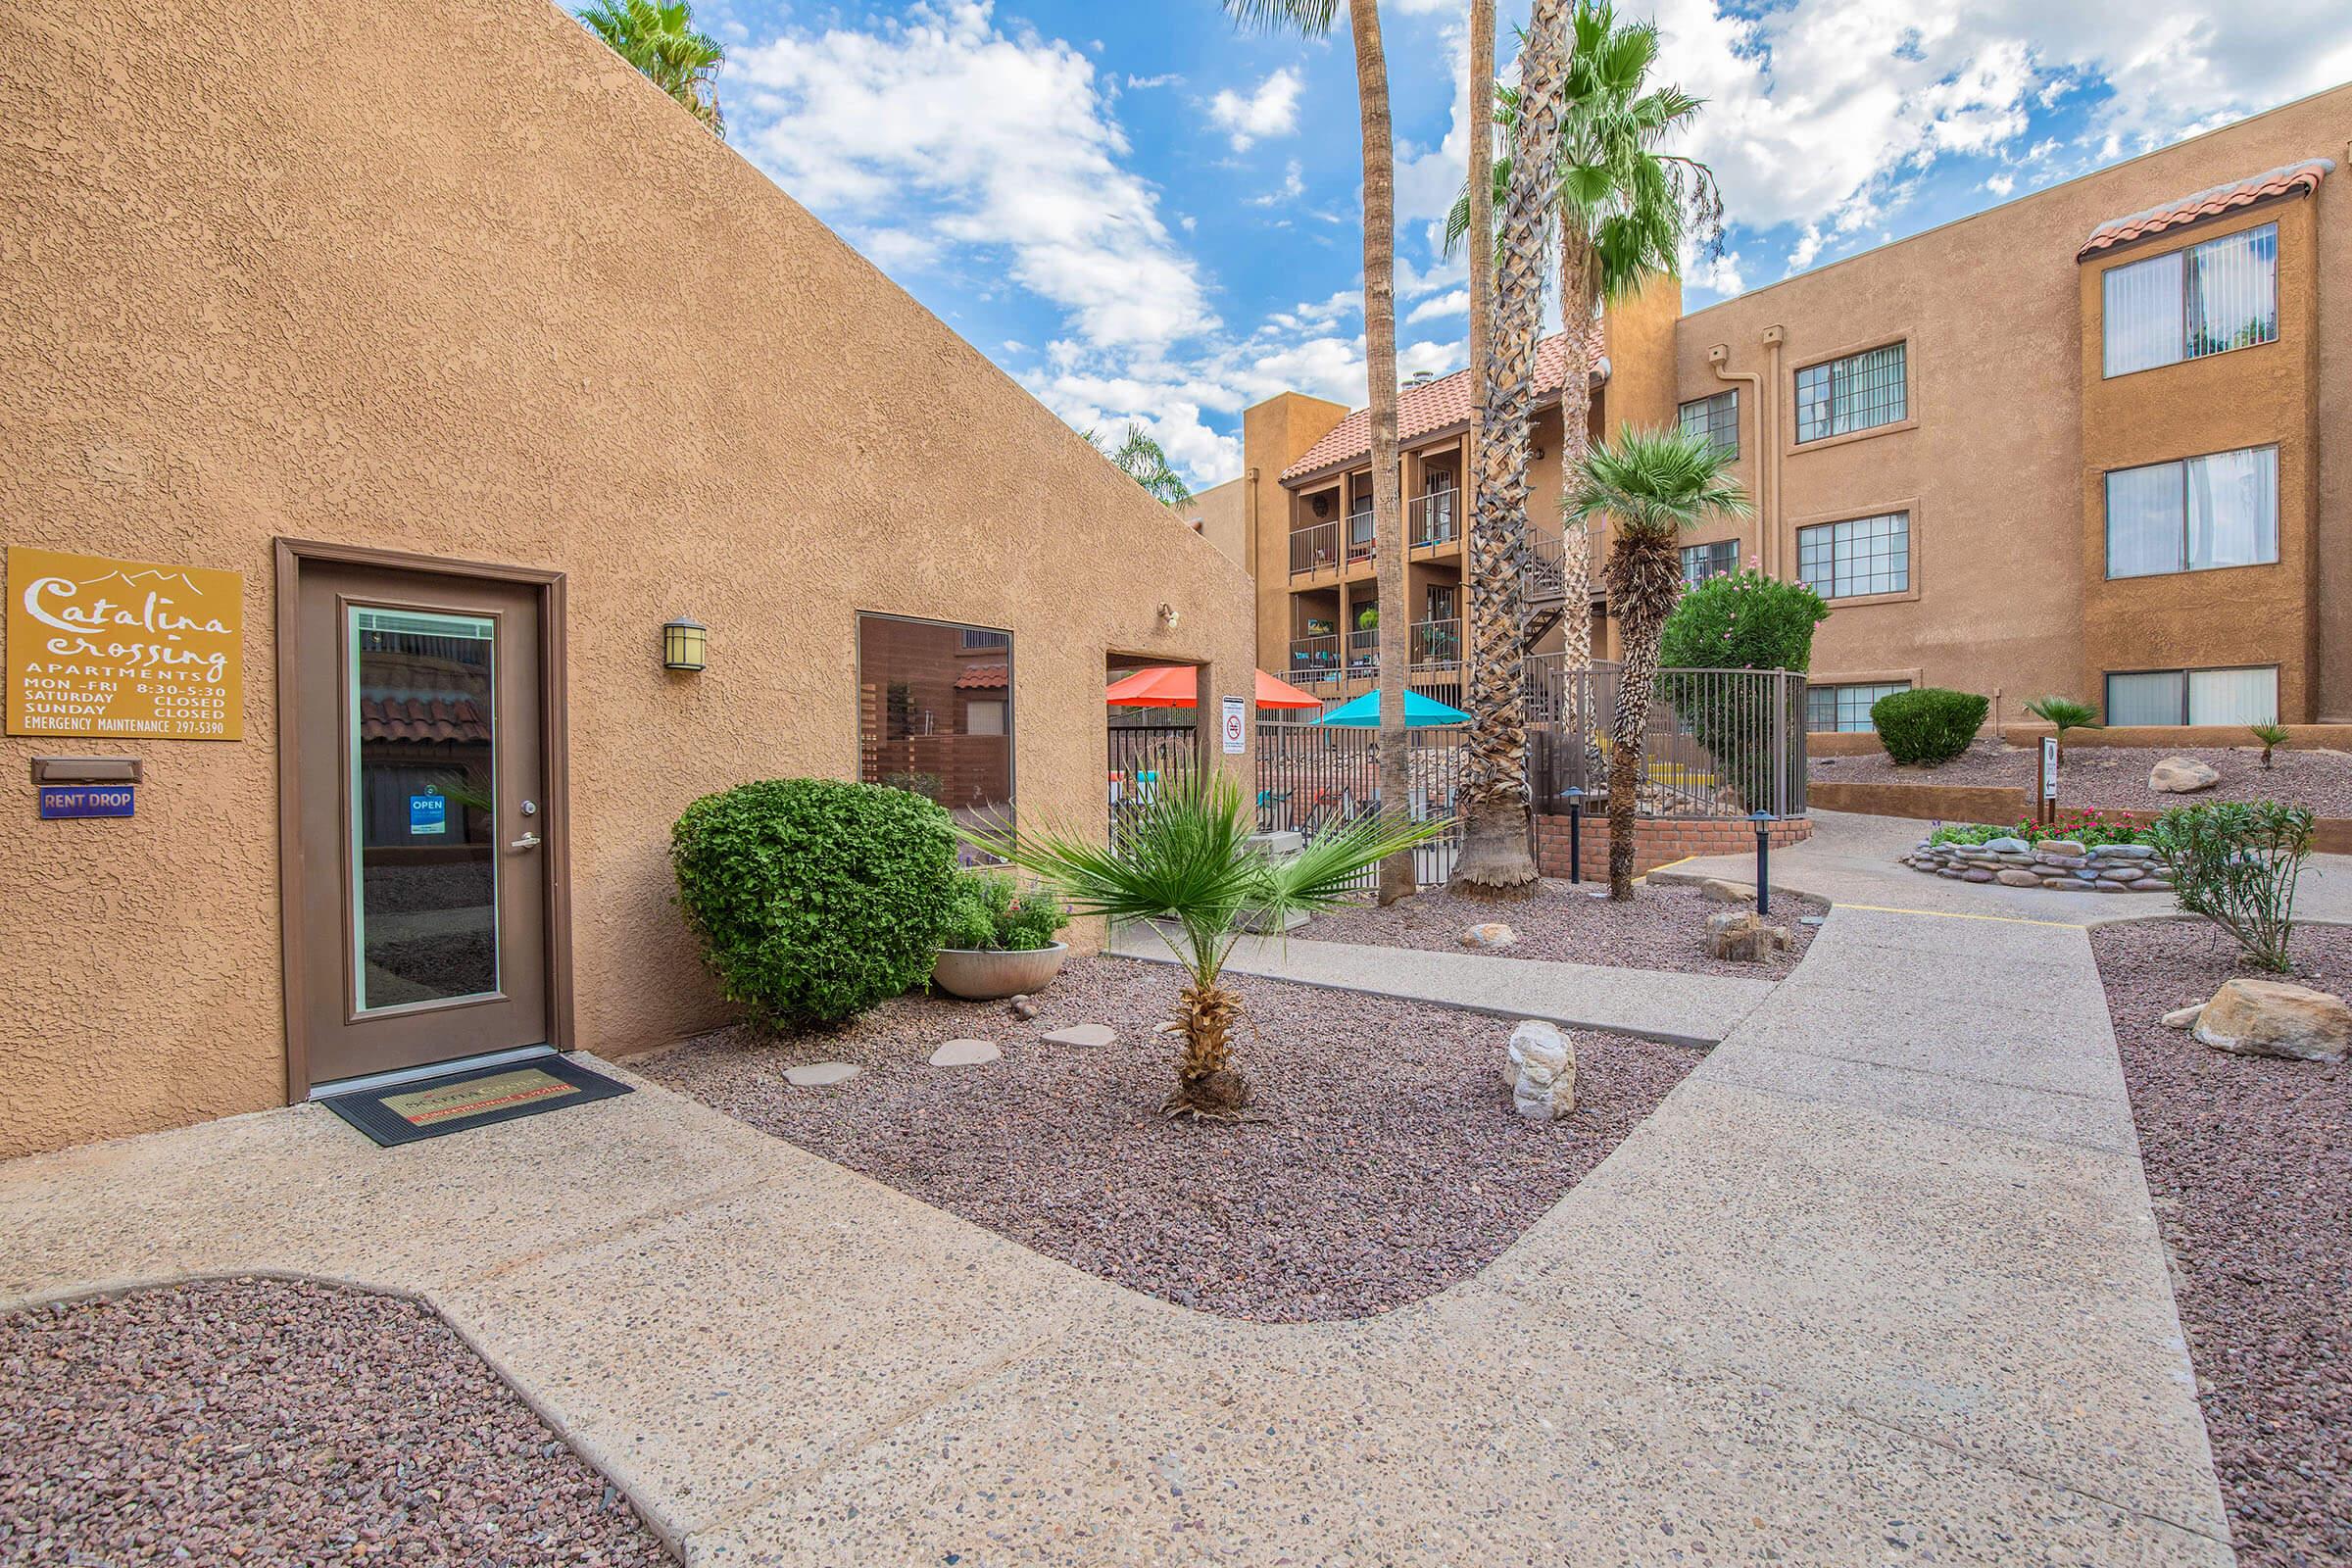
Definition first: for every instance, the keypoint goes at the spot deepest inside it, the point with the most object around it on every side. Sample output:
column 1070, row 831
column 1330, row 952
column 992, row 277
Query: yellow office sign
column 123, row 647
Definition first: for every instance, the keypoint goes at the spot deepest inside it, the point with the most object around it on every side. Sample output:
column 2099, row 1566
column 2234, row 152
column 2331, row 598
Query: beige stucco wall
column 318, row 271
column 1992, row 462
column 1220, row 514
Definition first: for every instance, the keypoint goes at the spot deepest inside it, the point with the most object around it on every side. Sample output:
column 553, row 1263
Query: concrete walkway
column 1691, row 1010
column 1877, row 1283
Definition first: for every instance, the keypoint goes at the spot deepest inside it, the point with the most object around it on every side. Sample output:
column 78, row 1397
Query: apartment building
column 2095, row 441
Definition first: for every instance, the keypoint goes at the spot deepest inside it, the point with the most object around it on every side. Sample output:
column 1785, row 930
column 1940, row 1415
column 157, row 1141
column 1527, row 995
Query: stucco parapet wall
column 2058, row 865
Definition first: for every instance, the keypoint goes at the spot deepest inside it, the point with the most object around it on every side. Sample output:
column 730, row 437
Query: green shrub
column 1744, row 621
column 2235, row 863
column 1927, row 725
column 2075, row 825
column 813, row 899
column 985, row 910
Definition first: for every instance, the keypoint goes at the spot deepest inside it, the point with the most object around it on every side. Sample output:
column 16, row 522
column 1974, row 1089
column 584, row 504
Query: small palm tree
column 2063, row 713
column 658, row 39
column 2269, row 737
column 1653, row 484
column 1183, row 860
column 1146, row 462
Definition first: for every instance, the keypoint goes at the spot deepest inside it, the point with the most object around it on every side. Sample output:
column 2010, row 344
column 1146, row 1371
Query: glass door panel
column 423, row 791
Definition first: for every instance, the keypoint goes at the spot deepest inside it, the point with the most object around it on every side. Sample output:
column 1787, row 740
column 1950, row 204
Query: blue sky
column 1142, row 214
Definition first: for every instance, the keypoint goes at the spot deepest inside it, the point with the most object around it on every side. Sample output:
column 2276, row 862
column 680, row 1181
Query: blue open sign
column 86, row 800
column 429, row 813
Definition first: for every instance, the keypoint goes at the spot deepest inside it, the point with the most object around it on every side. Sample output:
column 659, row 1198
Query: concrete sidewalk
column 1692, row 1009
column 1879, row 1282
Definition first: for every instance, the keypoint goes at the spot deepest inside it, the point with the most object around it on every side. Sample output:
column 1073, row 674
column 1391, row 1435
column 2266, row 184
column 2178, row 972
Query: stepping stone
column 820, row 1074
column 1082, row 1034
column 965, row 1053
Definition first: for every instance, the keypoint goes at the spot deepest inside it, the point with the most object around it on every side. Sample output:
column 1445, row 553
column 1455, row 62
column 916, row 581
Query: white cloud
column 1455, row 302
column 939, row 129
column 1165, row 79
column 1293, row 187
column 1270, row 110
column 2000, row 184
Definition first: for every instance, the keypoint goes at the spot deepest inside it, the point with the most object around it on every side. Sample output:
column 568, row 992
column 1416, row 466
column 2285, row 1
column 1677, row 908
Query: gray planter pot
column 984, row 974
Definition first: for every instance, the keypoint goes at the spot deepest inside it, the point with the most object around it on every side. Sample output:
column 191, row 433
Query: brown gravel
column 2249, row 1161
column 274, row 1421
column 2116, row 778
column 1663, row 927
column 1390, row 1164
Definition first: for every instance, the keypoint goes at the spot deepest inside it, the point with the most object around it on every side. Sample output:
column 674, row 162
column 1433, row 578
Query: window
column 2194, row 696
column 1859, row 392
column 1863, row 556
column 1718, row 419
column 2193, row 515
column 935, row 713
column 1845, row 707
column 1716, row 559
column 2186, row 304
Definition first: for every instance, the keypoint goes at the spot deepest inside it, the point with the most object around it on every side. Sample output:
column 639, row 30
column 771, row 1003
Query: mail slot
column 85, row 770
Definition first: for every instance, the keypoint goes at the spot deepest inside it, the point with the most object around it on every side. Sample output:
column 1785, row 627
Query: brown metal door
column 421, row 819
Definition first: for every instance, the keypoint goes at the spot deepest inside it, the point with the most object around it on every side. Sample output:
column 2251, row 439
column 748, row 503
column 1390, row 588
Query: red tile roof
column 413, row 718
column 1427, row 409
column 981, row 677
column 2288, row 179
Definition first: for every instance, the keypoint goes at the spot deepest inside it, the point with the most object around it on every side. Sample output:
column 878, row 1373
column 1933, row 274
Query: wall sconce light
column 1168, row 616
column 1323, row 505
column 684, row 644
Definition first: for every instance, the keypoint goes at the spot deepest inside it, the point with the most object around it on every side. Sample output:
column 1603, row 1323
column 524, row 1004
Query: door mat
column 429, row 1107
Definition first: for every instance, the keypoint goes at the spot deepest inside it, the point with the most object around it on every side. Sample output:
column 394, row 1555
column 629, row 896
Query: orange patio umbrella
column 1179, row 686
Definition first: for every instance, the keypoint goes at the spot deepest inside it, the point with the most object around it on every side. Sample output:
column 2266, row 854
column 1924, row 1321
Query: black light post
column 1763, row 822
column 1576, row 837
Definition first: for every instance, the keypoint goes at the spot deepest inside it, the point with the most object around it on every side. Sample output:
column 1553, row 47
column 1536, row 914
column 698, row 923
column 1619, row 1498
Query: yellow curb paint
column 1954, row 915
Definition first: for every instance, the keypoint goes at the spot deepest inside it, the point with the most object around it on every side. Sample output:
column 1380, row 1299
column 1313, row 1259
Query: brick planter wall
column 1658, row 840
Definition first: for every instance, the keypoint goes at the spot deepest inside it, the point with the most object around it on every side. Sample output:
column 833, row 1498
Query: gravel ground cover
column 1663, row 927
column 2116, row 778
column 276, row 1421
column 2249, row 1161
column 1387, row 1165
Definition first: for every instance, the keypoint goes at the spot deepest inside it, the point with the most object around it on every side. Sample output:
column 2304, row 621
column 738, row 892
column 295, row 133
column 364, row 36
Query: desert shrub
column 1744, row 621
column 985, row 910
column 813, row 899
column 2235, row 863
column 1927, row 725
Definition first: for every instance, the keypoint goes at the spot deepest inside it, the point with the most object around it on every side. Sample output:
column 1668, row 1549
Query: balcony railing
column 1360, row 536
column 1363, row 651
column 1432, row 520
column 1314, row 548
column 1438, row 643
column 1315, row 658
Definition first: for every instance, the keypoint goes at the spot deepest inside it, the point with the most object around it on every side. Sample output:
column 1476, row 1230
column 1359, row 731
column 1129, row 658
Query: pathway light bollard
column 1763, row 822
column 1576, row 837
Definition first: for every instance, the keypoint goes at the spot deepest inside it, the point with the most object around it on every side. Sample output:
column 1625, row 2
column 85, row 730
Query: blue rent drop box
column 86, row 800
column 428, row 813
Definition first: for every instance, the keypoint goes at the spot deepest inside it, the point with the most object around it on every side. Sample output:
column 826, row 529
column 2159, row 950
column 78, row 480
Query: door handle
column 530, row 841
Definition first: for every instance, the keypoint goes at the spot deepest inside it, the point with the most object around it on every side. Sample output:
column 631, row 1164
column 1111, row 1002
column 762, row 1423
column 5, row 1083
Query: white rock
column 2182, row 775
column 1491, row 934
column 2184, row 1018
column 1082, row 1034
column 965, row 1053
column 820, row 1074
column 1540, row 1066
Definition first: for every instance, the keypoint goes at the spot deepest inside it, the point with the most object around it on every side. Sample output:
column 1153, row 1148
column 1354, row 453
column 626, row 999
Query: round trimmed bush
column 1929, row 724
column 813, row 898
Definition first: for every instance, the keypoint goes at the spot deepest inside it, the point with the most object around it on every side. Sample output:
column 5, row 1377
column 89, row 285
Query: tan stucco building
column 2096, row 441
column 476, row 381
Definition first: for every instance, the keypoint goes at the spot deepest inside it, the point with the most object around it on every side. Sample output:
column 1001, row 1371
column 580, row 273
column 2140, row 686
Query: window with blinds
column 2186, row 304
column 2193, row 696
column 1859, row 392
column 1718, row 559
column 1845, row 707
column 1858, row 556
column 1717, row 418
column 2193, row 515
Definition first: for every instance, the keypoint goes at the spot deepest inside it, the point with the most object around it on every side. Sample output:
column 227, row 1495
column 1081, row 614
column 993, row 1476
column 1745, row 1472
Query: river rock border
column 2057, row 864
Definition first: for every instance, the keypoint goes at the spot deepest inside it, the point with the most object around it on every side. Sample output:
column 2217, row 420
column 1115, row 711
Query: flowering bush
column 2075, row 825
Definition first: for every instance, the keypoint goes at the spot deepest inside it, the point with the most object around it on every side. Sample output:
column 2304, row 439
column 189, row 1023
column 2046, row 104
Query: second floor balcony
column 1436, row 644
column 1433, row 523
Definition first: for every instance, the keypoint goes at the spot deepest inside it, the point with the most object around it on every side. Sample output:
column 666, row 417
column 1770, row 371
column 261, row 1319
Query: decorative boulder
column 2007, row 846
column 1717, row 891
column 2182, row 775
column 2184, row 1018
column 1541, row 1070
column 1740, row 936
column 1491, row 934
column 2274, row 1018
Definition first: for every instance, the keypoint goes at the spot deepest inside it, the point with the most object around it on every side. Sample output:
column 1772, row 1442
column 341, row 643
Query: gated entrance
column 1310, row 776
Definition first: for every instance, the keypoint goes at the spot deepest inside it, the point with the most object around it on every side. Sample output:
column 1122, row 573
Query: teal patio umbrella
column 1419, row 713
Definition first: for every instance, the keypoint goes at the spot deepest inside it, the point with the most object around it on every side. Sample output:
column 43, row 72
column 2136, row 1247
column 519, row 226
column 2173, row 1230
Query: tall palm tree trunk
column 1644, row 577
column 1496, row 853
column 1579, row 723
column 1396, row 879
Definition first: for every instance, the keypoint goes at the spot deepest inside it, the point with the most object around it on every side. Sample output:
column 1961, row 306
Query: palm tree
column 1182, row 859
column 1623, row 212
column 1142, row 459
column 1653, row 484
column 1495, row 849
column 658, row 39
column 1313, row 18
